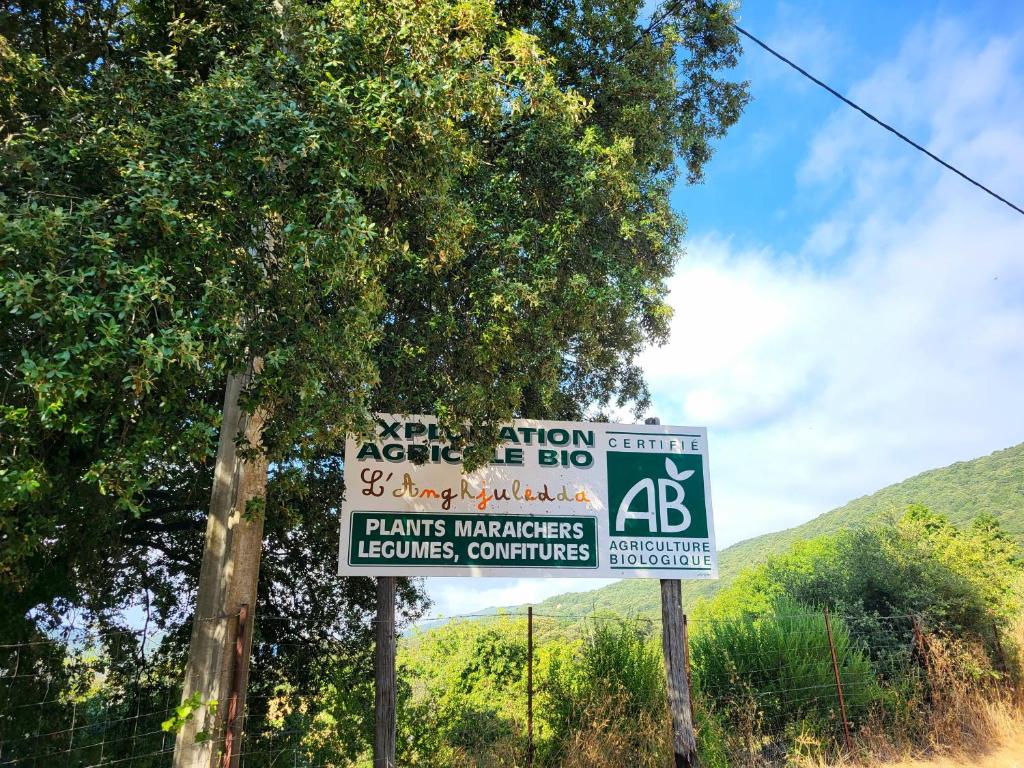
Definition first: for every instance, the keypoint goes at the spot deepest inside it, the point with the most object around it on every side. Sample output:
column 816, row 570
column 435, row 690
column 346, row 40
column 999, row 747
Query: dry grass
column 967, row 714
column 975, row 715
column 1007, row 755
column 610, row 739
column 998, row 740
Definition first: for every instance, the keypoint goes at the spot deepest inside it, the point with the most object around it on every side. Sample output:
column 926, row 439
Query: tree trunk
column 228, row 579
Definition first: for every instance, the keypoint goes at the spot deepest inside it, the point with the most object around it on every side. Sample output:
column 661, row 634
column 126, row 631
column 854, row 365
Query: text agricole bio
column 554, row 447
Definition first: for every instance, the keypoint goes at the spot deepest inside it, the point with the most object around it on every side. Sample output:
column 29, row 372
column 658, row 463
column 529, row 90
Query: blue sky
column 847, row 312
column 752, row 190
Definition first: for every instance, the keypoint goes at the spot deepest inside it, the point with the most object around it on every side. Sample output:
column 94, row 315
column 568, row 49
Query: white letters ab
column 657, row 513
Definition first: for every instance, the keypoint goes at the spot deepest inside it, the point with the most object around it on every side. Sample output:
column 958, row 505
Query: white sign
column 557, row 499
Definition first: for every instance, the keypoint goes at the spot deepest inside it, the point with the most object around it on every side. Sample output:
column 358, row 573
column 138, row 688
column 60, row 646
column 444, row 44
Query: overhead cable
column 875, row 119
column 659, row 19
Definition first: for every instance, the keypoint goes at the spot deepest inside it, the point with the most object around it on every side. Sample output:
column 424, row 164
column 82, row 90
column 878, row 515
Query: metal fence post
column 529, row 687
column 689, row 677
column 922, row 650
column 1003, row 666
column 236, row 679
column 839, row 682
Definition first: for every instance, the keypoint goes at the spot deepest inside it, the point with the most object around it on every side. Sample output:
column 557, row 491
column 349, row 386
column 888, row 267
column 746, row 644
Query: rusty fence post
column 1003, row 666
column 686, row 661
column 839, row 683
column 922, row 651
column 229, row 733
column 529, row 687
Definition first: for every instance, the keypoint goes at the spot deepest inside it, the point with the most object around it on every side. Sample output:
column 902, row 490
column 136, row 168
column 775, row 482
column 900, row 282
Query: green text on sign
column 516, row 541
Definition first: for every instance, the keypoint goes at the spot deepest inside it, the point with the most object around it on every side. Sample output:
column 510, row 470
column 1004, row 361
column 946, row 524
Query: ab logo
column 656, row 495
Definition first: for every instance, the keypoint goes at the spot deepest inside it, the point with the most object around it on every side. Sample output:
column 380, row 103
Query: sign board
column 557, row 499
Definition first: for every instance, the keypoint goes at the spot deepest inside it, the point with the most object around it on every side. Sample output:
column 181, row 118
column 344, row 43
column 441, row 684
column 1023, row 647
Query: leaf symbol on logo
column 674, row 473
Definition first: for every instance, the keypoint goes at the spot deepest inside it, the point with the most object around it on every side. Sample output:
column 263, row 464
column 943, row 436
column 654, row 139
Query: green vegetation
column 456, row 207
column 989, row 485
column 778, row 666
column 763, row 681
column 451, row 207
column 478, row 228
column 467, row 691
column 467, row 695
column 615, row 674
column 962, row 578
column 763, row 678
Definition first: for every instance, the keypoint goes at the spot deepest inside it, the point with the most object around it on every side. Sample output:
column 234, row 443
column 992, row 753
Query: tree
column 334, row 208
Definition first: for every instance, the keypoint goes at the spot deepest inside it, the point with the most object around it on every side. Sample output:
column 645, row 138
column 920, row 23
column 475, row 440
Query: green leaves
column 399, row 206
column 186, row 711
column 963, row 579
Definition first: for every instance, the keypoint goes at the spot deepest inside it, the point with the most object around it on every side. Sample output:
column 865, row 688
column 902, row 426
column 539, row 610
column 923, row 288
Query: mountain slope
column 961, row 491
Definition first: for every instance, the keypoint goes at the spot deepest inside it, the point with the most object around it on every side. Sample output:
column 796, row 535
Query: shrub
column 606, row 697
column 768, row 673
column 467, row 692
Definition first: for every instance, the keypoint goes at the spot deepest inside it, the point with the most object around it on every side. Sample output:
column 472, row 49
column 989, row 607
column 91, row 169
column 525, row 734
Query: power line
column 875, row 119
column 659, row 19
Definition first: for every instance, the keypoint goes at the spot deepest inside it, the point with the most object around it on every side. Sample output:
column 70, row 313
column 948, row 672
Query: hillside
column 961, row 491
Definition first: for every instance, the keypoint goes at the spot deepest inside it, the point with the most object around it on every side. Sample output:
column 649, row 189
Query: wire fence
column 83, row 698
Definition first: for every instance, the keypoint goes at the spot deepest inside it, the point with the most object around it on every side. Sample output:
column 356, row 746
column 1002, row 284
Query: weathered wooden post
column 673, row 642
column 385, row 724
column 228, row 579
column 689, row 678
column 684, row 743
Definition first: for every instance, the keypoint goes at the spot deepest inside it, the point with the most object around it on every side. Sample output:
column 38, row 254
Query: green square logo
column 657, row 494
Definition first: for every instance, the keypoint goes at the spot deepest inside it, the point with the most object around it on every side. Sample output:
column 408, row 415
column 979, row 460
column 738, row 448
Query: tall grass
column 771, row 679
column 605, row 704
column 965, row 704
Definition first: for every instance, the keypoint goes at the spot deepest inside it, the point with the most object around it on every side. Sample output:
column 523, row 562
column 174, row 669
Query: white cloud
column 803, row 37
column 964, row 96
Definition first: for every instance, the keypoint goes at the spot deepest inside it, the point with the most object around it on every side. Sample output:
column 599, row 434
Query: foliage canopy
column 440, row 206
column 446, row 206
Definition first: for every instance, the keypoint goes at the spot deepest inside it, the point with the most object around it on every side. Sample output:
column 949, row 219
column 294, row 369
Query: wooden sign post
column 673, row 643
column 684, row 743
column 384, row 736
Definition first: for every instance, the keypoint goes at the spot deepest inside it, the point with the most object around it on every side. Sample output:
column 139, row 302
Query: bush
column 467, row 693
column 763, row 680
column 605, row 698
column 765, row 674
column 963, row 579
